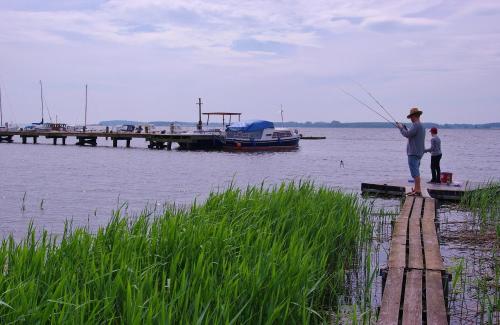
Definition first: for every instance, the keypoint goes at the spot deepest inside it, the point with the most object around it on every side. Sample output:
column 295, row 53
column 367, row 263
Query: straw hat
column 414, row 111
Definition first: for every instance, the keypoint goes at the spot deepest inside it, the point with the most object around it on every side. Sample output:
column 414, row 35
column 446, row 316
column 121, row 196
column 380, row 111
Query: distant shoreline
column 333, row 124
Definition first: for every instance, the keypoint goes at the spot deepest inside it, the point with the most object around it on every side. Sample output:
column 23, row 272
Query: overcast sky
column 151, row 59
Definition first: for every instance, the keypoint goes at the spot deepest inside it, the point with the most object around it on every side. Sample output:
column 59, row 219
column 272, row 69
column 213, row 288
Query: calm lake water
column 47, row 185
column 56, row 183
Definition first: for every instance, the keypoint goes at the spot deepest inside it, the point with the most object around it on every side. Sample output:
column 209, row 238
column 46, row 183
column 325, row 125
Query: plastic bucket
column 446, row 177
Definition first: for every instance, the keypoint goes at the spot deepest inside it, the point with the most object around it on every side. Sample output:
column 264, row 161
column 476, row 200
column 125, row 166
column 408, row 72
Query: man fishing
column 415, row 147
column 416, row 136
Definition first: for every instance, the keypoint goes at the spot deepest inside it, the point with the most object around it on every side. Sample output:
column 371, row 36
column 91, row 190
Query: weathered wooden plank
column 400, row 227
column 389, row 310
column 412, row 306
column 406, row 209
column 416, row 212
column 435, row 304
column 430, row 209
column 415, row 256
column 397, row 255
column 433, row 259
column 382, row 189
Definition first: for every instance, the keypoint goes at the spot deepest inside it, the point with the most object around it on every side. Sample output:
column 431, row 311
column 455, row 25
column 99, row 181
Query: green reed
column 484, row 203
column 249, row 256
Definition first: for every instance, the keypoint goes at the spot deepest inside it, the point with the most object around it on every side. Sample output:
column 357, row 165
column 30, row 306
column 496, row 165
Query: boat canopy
column 250, row 126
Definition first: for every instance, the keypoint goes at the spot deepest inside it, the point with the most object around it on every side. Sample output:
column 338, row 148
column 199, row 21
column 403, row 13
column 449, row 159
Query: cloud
column 352, row 20
column 260, row 49
column 253, row 45
column 400, row 25
column 408, row 44
column 51, row 5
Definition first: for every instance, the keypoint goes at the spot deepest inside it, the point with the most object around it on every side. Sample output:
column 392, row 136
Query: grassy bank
column 253, row 256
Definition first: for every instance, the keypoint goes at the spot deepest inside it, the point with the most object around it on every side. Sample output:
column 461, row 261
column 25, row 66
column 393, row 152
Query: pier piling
column 7, row 138
column 83, row 140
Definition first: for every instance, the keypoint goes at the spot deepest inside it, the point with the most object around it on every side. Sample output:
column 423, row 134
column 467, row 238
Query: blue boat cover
column 250, row 126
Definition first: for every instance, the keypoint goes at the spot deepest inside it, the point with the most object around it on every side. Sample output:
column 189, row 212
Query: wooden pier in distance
column 306, row 137
column 195, row 140
column 415, row 283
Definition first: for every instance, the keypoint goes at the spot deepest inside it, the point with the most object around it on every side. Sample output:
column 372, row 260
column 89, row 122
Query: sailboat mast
column 282, row 122
column 85, row 124
column 41, row 97
column 200, row 124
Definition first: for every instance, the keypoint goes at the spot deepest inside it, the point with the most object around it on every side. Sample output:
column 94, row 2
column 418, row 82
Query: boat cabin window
column 244, row 135
column 282, row 134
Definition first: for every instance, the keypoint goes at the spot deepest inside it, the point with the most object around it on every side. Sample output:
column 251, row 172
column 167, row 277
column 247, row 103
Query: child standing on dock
column 415, row 147
column 436, row 155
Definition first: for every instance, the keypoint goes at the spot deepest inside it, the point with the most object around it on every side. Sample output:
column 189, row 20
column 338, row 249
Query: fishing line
column 376, row 101
column 368, row 106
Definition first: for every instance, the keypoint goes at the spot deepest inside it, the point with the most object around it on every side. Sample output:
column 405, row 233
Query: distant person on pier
column 436, row 155
column 415, row 147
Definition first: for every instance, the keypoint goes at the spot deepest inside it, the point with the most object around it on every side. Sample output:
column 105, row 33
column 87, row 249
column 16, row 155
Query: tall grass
column 484, row 203
column 255, row 256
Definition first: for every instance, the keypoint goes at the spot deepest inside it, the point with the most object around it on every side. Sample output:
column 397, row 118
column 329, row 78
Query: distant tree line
column 308, row 124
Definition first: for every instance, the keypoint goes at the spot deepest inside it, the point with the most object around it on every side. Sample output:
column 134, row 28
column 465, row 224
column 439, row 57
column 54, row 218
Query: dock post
column 128, row 143
column 24, row 139
column 169, row 146
column 64, row 141
column 7, row 138
column 54, row 141
column 115, row 142
column 107, row 131
column 35, row 138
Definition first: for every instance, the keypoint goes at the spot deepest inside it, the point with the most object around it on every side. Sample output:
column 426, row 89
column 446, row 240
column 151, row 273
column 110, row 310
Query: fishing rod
column 369, row 107
column 376, row 101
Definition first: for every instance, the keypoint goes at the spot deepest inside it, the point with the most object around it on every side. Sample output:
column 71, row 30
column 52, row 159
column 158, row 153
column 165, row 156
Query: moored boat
column 260, row 135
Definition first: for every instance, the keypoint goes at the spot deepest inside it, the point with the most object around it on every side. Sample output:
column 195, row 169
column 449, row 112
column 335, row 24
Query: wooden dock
column 195, row 140
column 415, row 282
column 399, row 187
column 312, row 137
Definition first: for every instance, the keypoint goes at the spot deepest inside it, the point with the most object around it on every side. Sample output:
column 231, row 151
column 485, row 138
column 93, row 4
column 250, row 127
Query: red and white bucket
column 446, row 177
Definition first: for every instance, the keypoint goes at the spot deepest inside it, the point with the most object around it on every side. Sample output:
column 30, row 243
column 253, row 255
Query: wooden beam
column 412, row 307
column 435, row 304
column 433, row 259
column 391, row 300
column 430, row 209
column 415, row 256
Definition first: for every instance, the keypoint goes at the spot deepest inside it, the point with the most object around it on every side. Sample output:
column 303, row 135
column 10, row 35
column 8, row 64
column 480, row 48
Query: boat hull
column 202, row 142
column 249, row 145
